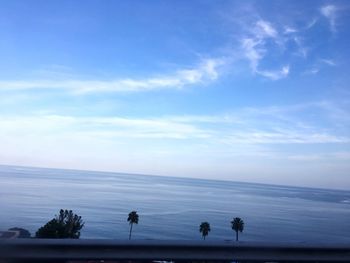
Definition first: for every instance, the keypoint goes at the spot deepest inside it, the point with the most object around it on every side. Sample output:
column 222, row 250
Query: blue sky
column 254, row 91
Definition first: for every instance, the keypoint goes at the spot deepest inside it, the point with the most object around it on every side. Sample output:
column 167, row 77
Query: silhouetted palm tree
column 237, row 225
column 204, row 228
column 133, row 218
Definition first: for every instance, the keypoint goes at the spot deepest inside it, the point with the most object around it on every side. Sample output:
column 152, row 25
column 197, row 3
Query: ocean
column 172, row 208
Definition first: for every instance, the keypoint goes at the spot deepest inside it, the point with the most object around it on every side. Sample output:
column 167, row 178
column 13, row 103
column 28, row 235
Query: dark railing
column 148, row 250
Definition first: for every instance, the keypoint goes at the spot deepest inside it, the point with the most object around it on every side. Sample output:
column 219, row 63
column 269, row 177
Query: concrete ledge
column 69, row 249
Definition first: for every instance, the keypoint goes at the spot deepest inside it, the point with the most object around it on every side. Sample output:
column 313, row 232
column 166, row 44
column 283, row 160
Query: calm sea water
column 172, row 208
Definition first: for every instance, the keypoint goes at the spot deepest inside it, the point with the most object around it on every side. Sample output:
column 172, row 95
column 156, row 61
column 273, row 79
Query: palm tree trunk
column 236, row 235
column 130, row 230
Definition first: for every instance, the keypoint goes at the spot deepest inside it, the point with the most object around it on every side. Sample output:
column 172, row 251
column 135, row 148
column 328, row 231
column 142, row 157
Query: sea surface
column 172, row 208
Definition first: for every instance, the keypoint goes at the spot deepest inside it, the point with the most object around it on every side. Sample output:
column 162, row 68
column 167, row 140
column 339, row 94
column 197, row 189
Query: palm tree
column 237, row 225
column 133, row 218
column 204, row 228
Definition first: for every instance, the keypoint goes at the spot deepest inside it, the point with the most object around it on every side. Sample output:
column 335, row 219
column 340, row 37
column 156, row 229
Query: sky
column 253, row 91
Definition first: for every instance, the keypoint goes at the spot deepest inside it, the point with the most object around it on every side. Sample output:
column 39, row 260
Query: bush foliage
column 65, row 225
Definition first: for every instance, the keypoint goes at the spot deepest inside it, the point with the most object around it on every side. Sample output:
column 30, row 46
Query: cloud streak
column 328, row 62
column 255, row 49
column 273, row 125
column 275, row 74
column 205, row 72
column 264, row 29
column 330, row 12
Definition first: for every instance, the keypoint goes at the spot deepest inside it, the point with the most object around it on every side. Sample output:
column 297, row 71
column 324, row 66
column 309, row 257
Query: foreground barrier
column 70, row 249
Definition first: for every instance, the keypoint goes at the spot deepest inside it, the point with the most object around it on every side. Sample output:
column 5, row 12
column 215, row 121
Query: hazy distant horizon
column 174, row 176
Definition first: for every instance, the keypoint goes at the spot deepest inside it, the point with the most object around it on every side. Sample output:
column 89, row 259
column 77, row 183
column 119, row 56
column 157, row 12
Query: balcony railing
column 148, row 250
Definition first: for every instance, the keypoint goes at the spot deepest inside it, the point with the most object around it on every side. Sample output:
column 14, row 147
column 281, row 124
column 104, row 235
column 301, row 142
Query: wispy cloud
column 103, row 127
column 319, row 65
column 330, row 12
column 255, row 49
column 312, row 71
column 284, row 137
column 263, row 40
column 302, row 50
column 254, row 52
column 329, row 62
column 265, row 29
column 289, row 30
column 311, row 24
column 206, row 71
column 259, row 38
column 275, row 74
column 272, row 125
column 341, row 155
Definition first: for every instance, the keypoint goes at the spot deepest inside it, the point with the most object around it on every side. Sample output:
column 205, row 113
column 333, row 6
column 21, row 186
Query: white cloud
column 206, row 71
column 253, row 52
column 325, row 157
column 255, row 49
column 302, row 50
column 330, row 12
column 311, row 23
column 319, row 66
column 265, row 29
column 289, row 30
column 275, row 74
column 312, row 71
column 261, row 39
column 283, row 137
column 329, row 62
column 271, row 125
column 105, row 127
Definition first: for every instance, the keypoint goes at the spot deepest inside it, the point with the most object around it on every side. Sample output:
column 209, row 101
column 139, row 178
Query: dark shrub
column 65, row 225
